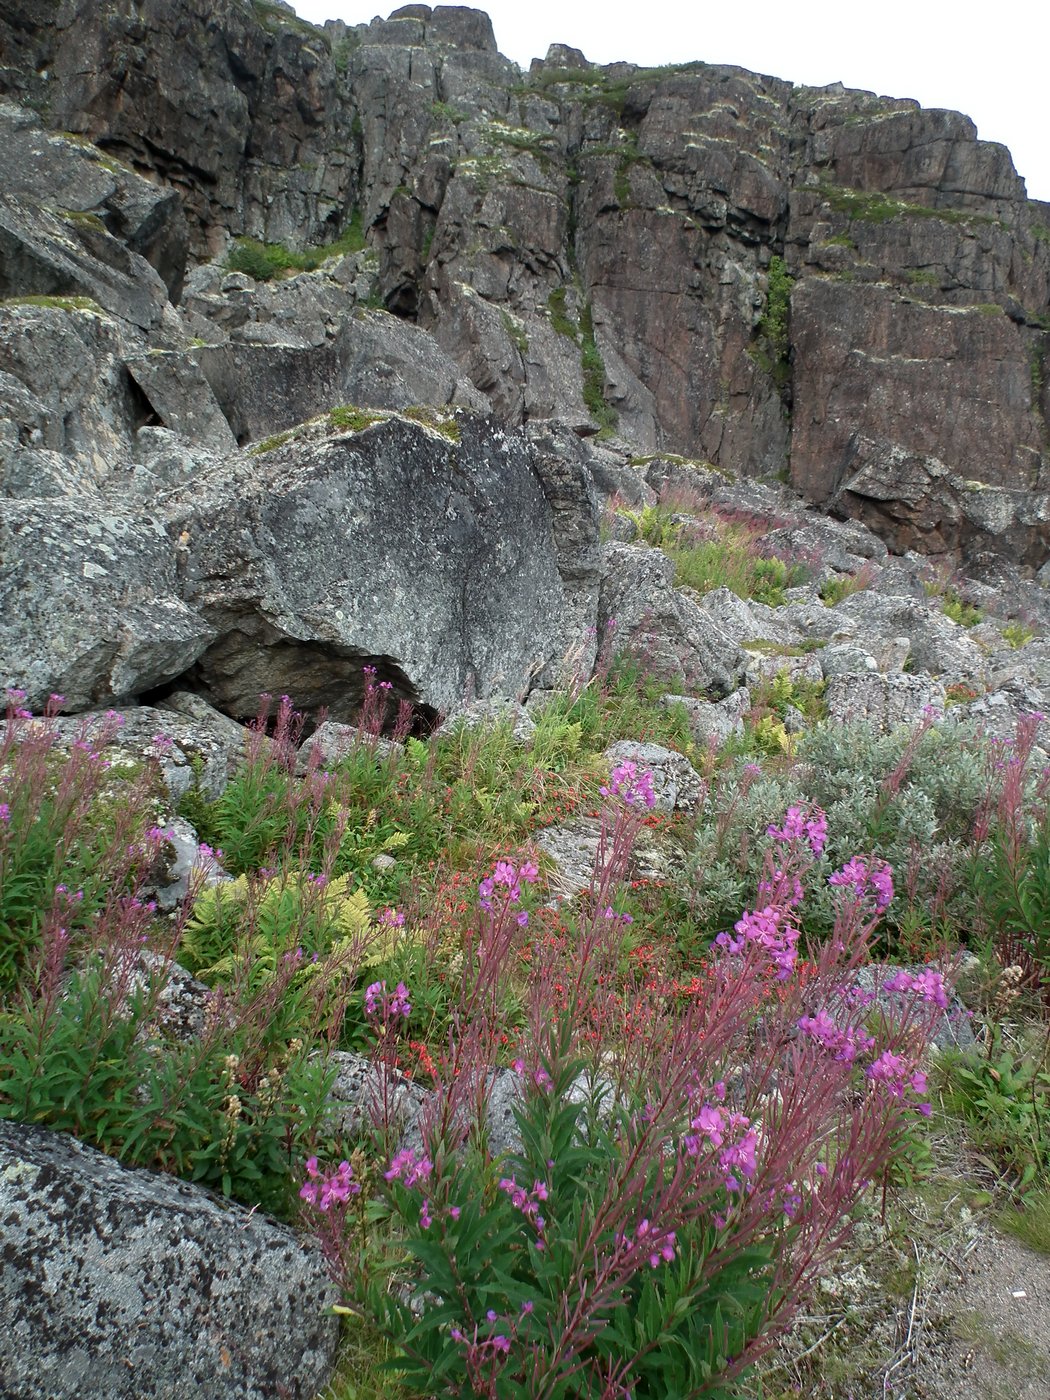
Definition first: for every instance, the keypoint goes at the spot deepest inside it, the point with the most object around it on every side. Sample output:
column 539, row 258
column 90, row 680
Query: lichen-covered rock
column 884, row 702
column 577, row 246
column 89, row 604
column 574, row 848
column 365, row 1093
column 677, row 785
column 714, row 723
column 333, row 741
column 126, row 1285
column 844, row 658
column 937, row 644
column 481, row 714
column 430, row 556
column 641, row 611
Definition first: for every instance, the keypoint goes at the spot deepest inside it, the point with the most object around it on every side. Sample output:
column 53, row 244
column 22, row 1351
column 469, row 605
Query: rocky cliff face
column 841, row 291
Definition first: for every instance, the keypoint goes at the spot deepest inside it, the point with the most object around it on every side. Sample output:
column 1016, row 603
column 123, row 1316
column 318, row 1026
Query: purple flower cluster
column 765, row 929
column 649, row 1239
column 927, row 985
column 799, row 826
column 631, row 787
column 333, row 1184
column 875, row 879
column 409, row 1169
column 391, row 918
column 729, row 1133
column 528, row 1202
column 844, row 1045
column 510, row 878
column 540, row 1077
column 499, row 1344
column 896, row 1075
column 388, row 1008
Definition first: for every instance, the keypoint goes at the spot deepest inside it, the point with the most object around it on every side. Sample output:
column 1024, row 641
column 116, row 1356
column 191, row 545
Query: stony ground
column 935, row 1303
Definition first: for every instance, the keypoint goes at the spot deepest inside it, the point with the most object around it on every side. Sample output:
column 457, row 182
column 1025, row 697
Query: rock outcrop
column 120, row 1283
column 823, row 286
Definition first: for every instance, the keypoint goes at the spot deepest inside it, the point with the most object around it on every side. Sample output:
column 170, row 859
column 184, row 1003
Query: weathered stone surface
column 439, row 567
column 182, row 398
column 845, row 659
column 739, row 620
column 937, row 644
column 714, row 723
column 677, row 785
column 574, row 851
column 915, row 501
column 236, row 107
column 90, row 605
column 333, row 741
column 797, row 668
column 375, row 360
column 482, row 713
column 121, row 1284
column 576, row 250
column 365, row 1093
column 660, row 625
column 884, row 702
column 88, row 190
column 41, row 256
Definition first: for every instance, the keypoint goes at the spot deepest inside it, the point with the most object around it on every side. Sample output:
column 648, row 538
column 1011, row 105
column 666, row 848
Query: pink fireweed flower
column 539, row 1077
column 739, row 1157
column 409, row 1169
column 928, row 985
column 654, row 1244
column 507, row 877
column 389, row 1008
column 391, row 918
column 783, row 889
column 763, row 928
column 876, row 880
column 322, row 1188
column 798, row 826
column 633, row 788
column 897, row 1076
column 528, row 1202
column 844, row 1045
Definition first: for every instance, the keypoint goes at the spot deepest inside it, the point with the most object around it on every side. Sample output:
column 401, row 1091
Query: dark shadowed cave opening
column 323, row 681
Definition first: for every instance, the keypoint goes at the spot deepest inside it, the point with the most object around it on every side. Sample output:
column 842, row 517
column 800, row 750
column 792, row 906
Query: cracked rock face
column 577, row 250
column 121, row 1285
column 590, row 245
column 432, row 559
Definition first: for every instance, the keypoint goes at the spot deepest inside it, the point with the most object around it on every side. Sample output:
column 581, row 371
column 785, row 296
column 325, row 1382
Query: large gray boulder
column 123, row 1285
column 642, row 612
column 884, row 702
column 427, row 554
column 89, row 603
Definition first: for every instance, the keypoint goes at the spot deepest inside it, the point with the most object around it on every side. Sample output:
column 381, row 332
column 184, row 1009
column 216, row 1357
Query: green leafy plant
column 841, row 586
column 1017, row 635
column 76, row 830
column 265, row 261
column 674, row 1329
column 965, row 614
column 1005, row 1100
column 227, row 1110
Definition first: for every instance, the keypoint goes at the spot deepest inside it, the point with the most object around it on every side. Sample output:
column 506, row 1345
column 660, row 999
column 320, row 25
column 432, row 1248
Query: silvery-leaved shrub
column 911, row 797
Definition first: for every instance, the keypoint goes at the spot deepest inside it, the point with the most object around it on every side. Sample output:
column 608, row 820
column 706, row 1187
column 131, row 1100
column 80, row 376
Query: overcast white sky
column 987, row 60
